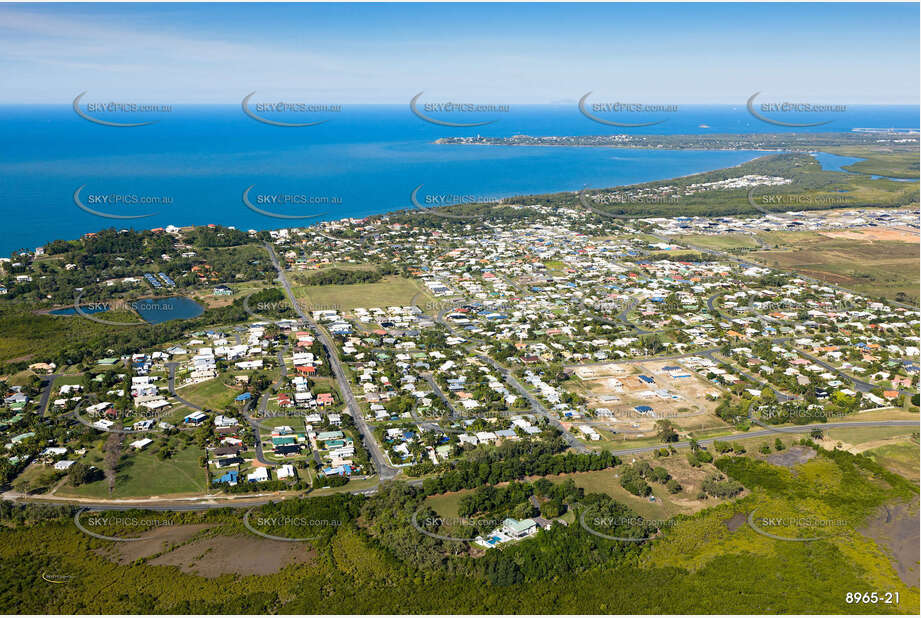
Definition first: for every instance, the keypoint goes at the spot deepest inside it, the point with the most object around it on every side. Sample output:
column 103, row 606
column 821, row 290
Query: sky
column 848, row 53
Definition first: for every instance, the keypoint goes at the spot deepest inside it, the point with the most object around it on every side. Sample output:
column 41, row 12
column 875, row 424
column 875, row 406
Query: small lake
column 159, row 310
column 151, row 310
column 98, row 308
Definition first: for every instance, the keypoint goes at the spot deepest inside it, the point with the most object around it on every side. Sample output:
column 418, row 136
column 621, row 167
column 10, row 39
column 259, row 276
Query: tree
column 665, row 431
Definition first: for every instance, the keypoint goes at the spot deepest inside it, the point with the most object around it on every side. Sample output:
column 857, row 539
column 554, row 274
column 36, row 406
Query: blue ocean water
column 195, row 163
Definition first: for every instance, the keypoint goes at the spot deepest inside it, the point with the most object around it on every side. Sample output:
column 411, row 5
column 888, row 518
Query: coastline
column 406, row 209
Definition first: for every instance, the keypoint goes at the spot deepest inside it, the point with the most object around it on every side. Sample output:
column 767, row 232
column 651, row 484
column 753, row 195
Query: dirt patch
column 735, row 522
column 155, row 541
column 875, row 233
column 241, row 555
column 896, row 529
column 792, row 456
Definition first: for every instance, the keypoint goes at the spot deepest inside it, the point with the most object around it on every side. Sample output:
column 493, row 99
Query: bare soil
column 792, row 456
column 155, row 541
column 241, row 555
column 896, row 529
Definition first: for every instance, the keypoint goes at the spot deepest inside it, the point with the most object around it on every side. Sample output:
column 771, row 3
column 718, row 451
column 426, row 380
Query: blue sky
column 504, row 53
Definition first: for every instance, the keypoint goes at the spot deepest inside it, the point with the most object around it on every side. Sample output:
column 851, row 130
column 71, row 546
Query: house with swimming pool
column 510, row 530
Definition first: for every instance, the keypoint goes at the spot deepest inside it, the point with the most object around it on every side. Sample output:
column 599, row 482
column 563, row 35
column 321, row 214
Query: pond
column 159, row 310
column 151, row 310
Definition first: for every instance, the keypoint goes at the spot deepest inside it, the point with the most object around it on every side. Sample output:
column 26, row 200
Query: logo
column 79, row 309
column 283, row 106
column 436, row 201
column 107, row 521
column 299, row 199
column 584, row 200
column 113, row 107
column 117, row 200
column 621, row 521
column 287, row 522
column 805, row 522
column 787, row 107
column 454, row 107
column 441, row 521
column 623, row 107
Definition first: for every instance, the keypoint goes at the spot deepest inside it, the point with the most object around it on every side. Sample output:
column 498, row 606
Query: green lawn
column 213, row 394
column 387, row 292
column 446, row 505
column 862, row 435
column 142, row 474
column 901, row 458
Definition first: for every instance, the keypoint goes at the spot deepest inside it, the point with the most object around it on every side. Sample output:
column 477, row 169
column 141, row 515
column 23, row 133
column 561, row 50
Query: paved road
column 431, row 380
column 48, row 381
column 384, row 470
column 860, row 385
column 172, row 388
column 536, row 406
column 622, row 317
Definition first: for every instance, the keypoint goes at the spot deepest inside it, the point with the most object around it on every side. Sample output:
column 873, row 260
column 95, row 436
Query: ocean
column 193, row 165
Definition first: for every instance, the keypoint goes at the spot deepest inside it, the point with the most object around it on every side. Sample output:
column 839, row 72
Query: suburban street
column 384, row 470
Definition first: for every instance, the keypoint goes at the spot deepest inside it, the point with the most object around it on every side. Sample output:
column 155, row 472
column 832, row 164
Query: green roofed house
column 323, row 436
column 519, row 529
column 22, row 436
column 283, row 440
column 107, row 361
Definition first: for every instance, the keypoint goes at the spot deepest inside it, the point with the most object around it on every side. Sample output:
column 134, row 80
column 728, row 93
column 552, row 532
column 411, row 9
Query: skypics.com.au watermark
column 624, row 108
column 112, row 109
column 291, row 529
column 88, row 310
column 255, row 110
column 103, row 526
column 432, row 203
column 301, row 203
column 125, row 202
column 760, row 110
column 783, row 526
column 424, row 525
column 592, row 523
column 770, row 203
column 281, row 306
column 422, row 111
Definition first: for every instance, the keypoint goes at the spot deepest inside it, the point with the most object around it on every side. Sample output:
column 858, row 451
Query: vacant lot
column 675, row 394
column 867, row 265
column 212, row 394
column 143, row 474
column 387, row 292
column 900, row 457
column 721, row 242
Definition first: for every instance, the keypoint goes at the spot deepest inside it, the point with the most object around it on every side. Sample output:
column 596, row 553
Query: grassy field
column 872, row 267
column 863, row 435
column 901, row 458
column 387, row 292
column 446, row 505
column 142, row 474
column 721, row 242
column 213, row 394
